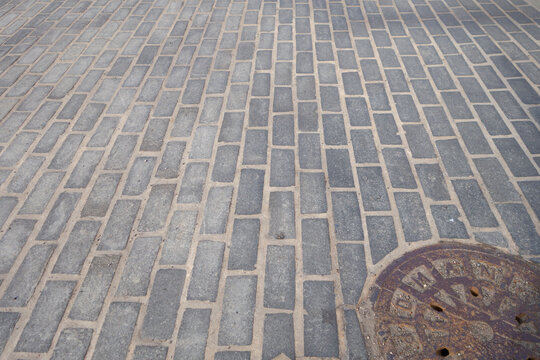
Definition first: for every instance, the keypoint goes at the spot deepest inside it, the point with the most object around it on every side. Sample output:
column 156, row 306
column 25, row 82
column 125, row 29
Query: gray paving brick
column 11, row 125
column 13, row 241
column 413, row 217
column 212, row 110
column 100, row 197
column 521, row 228
column 432, row 181
column 157, row 207
column 233, row 355
column 378, row 98
column 531, row 190
column 279, row 284
column 237, row 97
column 316, row 247
column 283, row 130
column 163, row 304
column 217, row 210
column 492, row 120
column 203, row 142
column 278, row 336
column 399, row 169
column 117, row 330
column 94, row 288
column 339, row 168
column 312, row 193
column 418, row 141
column 282, row 222
column 144, row 352
column 364, row 146
column 453, row 158
column 50, row 138
column 193, row 334
column 73, row 255
column 382, row 236
column 118, row 228
column 347, row 219
column 530, row 134
column 387, row 129
column 509, row 105
column 154, row 135
column 236, row 326
column 84, row 170
column 7, row 204
column 231, row 127
column 244, row 244
column 24, row 281
column 515, row 157
column 23, row 176
column 473, row 137
column 73, row 343
column 334, row 129
column 373, row 189
column 38, row 333
column 193, row 183
column 120, row 152
column 355, row 341
column 282, row 171
column 206, row 271
column 58, row 217
column 474, row 203
column 447, row 220
column 178, row 240
column 320, row 325
column 250, row 192
column 442, row 78
column 15, row 151
column 225, row 163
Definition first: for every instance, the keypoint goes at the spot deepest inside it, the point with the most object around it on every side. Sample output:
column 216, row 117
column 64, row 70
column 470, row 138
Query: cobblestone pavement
column 218, row 179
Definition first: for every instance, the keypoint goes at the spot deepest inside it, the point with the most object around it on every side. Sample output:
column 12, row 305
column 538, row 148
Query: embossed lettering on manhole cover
column 454, row 301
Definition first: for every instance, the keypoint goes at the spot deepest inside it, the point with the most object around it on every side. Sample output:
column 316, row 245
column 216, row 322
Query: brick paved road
column 217, row 179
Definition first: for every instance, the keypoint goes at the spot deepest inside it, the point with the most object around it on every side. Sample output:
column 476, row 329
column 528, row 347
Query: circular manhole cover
column 454, row 301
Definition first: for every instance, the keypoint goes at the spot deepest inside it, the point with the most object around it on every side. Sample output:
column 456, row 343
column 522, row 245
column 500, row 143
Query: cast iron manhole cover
column 454, row 301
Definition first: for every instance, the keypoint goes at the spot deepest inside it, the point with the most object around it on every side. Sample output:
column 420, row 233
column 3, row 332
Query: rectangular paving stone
column 279, row 284
column 236, row 326
column 94, row 288
column 312, row 193
column 231, row 127
column 457, row 105
column 100, row 197
column 282, row 170
column 509, row 105
column 496, row 180
column 438, row 121
column 399, row 168
column 283, row 130
column 255, row 147
column 531, row 190
column 157, row 207
column 447, row 221
column 203, row 142
column 492, row 120
column 237, row 97
column 115, row 336
column 13, row 241
column 163, row 304
column 387, row 129
column 378, row 97
column 334, row 129
column 50, row 138
column 355, row 340
column 473, row 138
column 144, row 352
column 339, row 168
column 178, row 240
column 316, row 247
column 121, row 152
column 364, row 146
column 320, row 325
column 419, row 142
column 206, row 271
column 193, row 183
column 432, row 180
column 74, row 252
column 474, row 203
column 413, row 217
column 193, row 334
column 521, row 228
column 250, row 192
column 216, row 211
column 282, row 215
column 529, row 134
column 15, row 151
column 373, row 189
column 73, row 343
column 154, row 135
column 169, row 167
column 58, row 217
column 244, row 244
column 26, row 278
column 278, row 336
column 515, row 157
column 24, row 175
column 38, row 333
column 382, row 236
column 7, row 204
column 118, row 228
column 84, row 169
column 225, row 163
column 347, row 219
column 453, row 158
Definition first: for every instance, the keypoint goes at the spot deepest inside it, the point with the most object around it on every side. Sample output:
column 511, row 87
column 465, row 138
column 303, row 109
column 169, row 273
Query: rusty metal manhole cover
column 454, row 301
